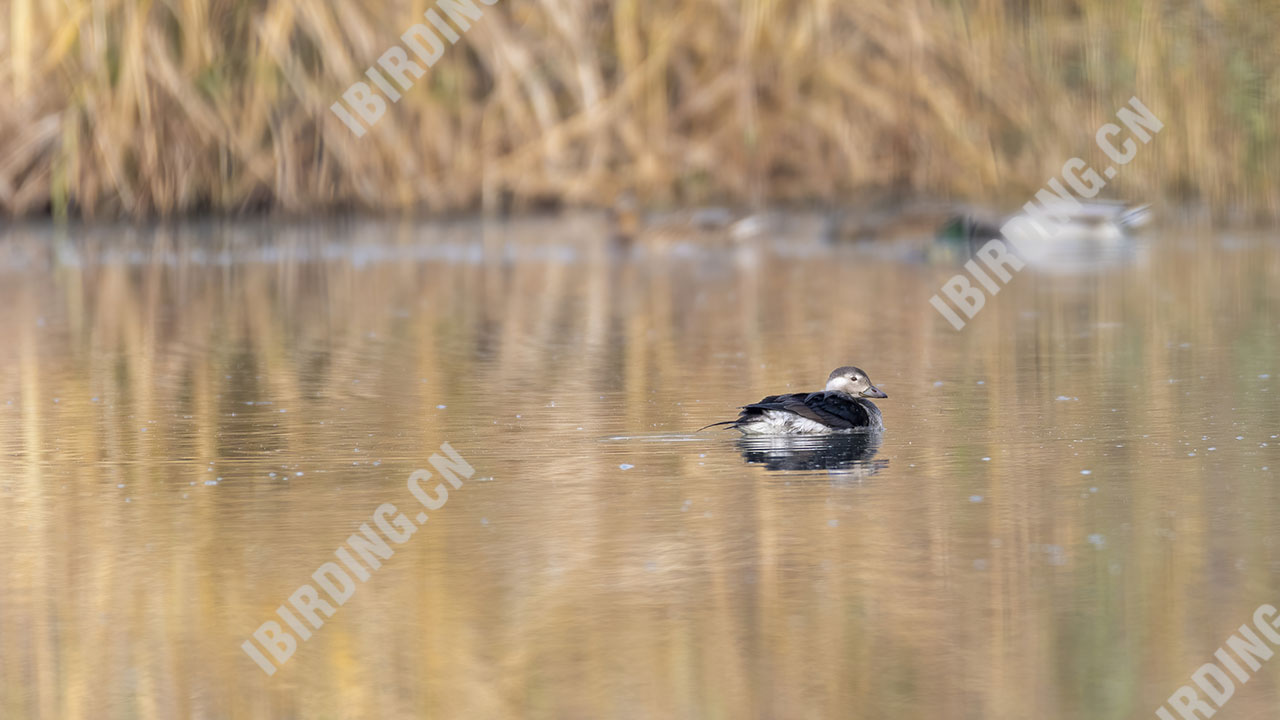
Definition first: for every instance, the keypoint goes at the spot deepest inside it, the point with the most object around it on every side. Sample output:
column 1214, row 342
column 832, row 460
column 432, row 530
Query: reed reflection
column 194, row 418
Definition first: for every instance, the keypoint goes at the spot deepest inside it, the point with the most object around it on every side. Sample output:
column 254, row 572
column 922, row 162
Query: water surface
column 1075, row 501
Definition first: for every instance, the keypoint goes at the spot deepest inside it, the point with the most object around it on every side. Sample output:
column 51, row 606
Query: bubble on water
column 1097, row 540
column 210, row 482
column 975, row 498
column 625, row 466
column 833, row 522
column 1086, row 472
column 1056, row 556
column 441, row 407
column 979, row 564
column 121, row 486
column 937, row 383
column 986, row 459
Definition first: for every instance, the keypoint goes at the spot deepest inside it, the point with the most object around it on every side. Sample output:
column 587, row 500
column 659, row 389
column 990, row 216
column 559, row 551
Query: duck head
column 852, row 381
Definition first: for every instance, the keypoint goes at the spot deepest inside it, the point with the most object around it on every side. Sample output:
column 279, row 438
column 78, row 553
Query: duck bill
column 874, row 392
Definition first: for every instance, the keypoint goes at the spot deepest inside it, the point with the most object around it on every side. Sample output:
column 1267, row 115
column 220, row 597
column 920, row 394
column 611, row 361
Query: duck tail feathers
column 726, row 422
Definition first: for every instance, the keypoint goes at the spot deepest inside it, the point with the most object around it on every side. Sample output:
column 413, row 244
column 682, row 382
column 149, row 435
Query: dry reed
column 138, row 108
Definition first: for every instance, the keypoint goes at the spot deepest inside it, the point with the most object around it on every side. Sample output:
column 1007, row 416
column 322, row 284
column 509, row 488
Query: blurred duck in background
column 1096, row 229
column 630, row 224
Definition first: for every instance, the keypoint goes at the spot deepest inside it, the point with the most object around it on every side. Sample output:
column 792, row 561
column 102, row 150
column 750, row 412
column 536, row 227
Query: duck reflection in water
column 848, row 454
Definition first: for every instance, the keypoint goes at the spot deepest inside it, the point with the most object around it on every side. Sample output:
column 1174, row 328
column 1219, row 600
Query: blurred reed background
column 128, row 108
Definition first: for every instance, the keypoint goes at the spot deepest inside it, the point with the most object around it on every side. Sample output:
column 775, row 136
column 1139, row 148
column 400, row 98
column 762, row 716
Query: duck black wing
column 754, row 410
column 773, row 402
column 836, row 410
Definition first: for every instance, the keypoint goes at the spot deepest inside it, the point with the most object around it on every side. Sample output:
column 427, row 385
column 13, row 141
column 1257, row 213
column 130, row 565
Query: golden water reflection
column 1074, row 504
